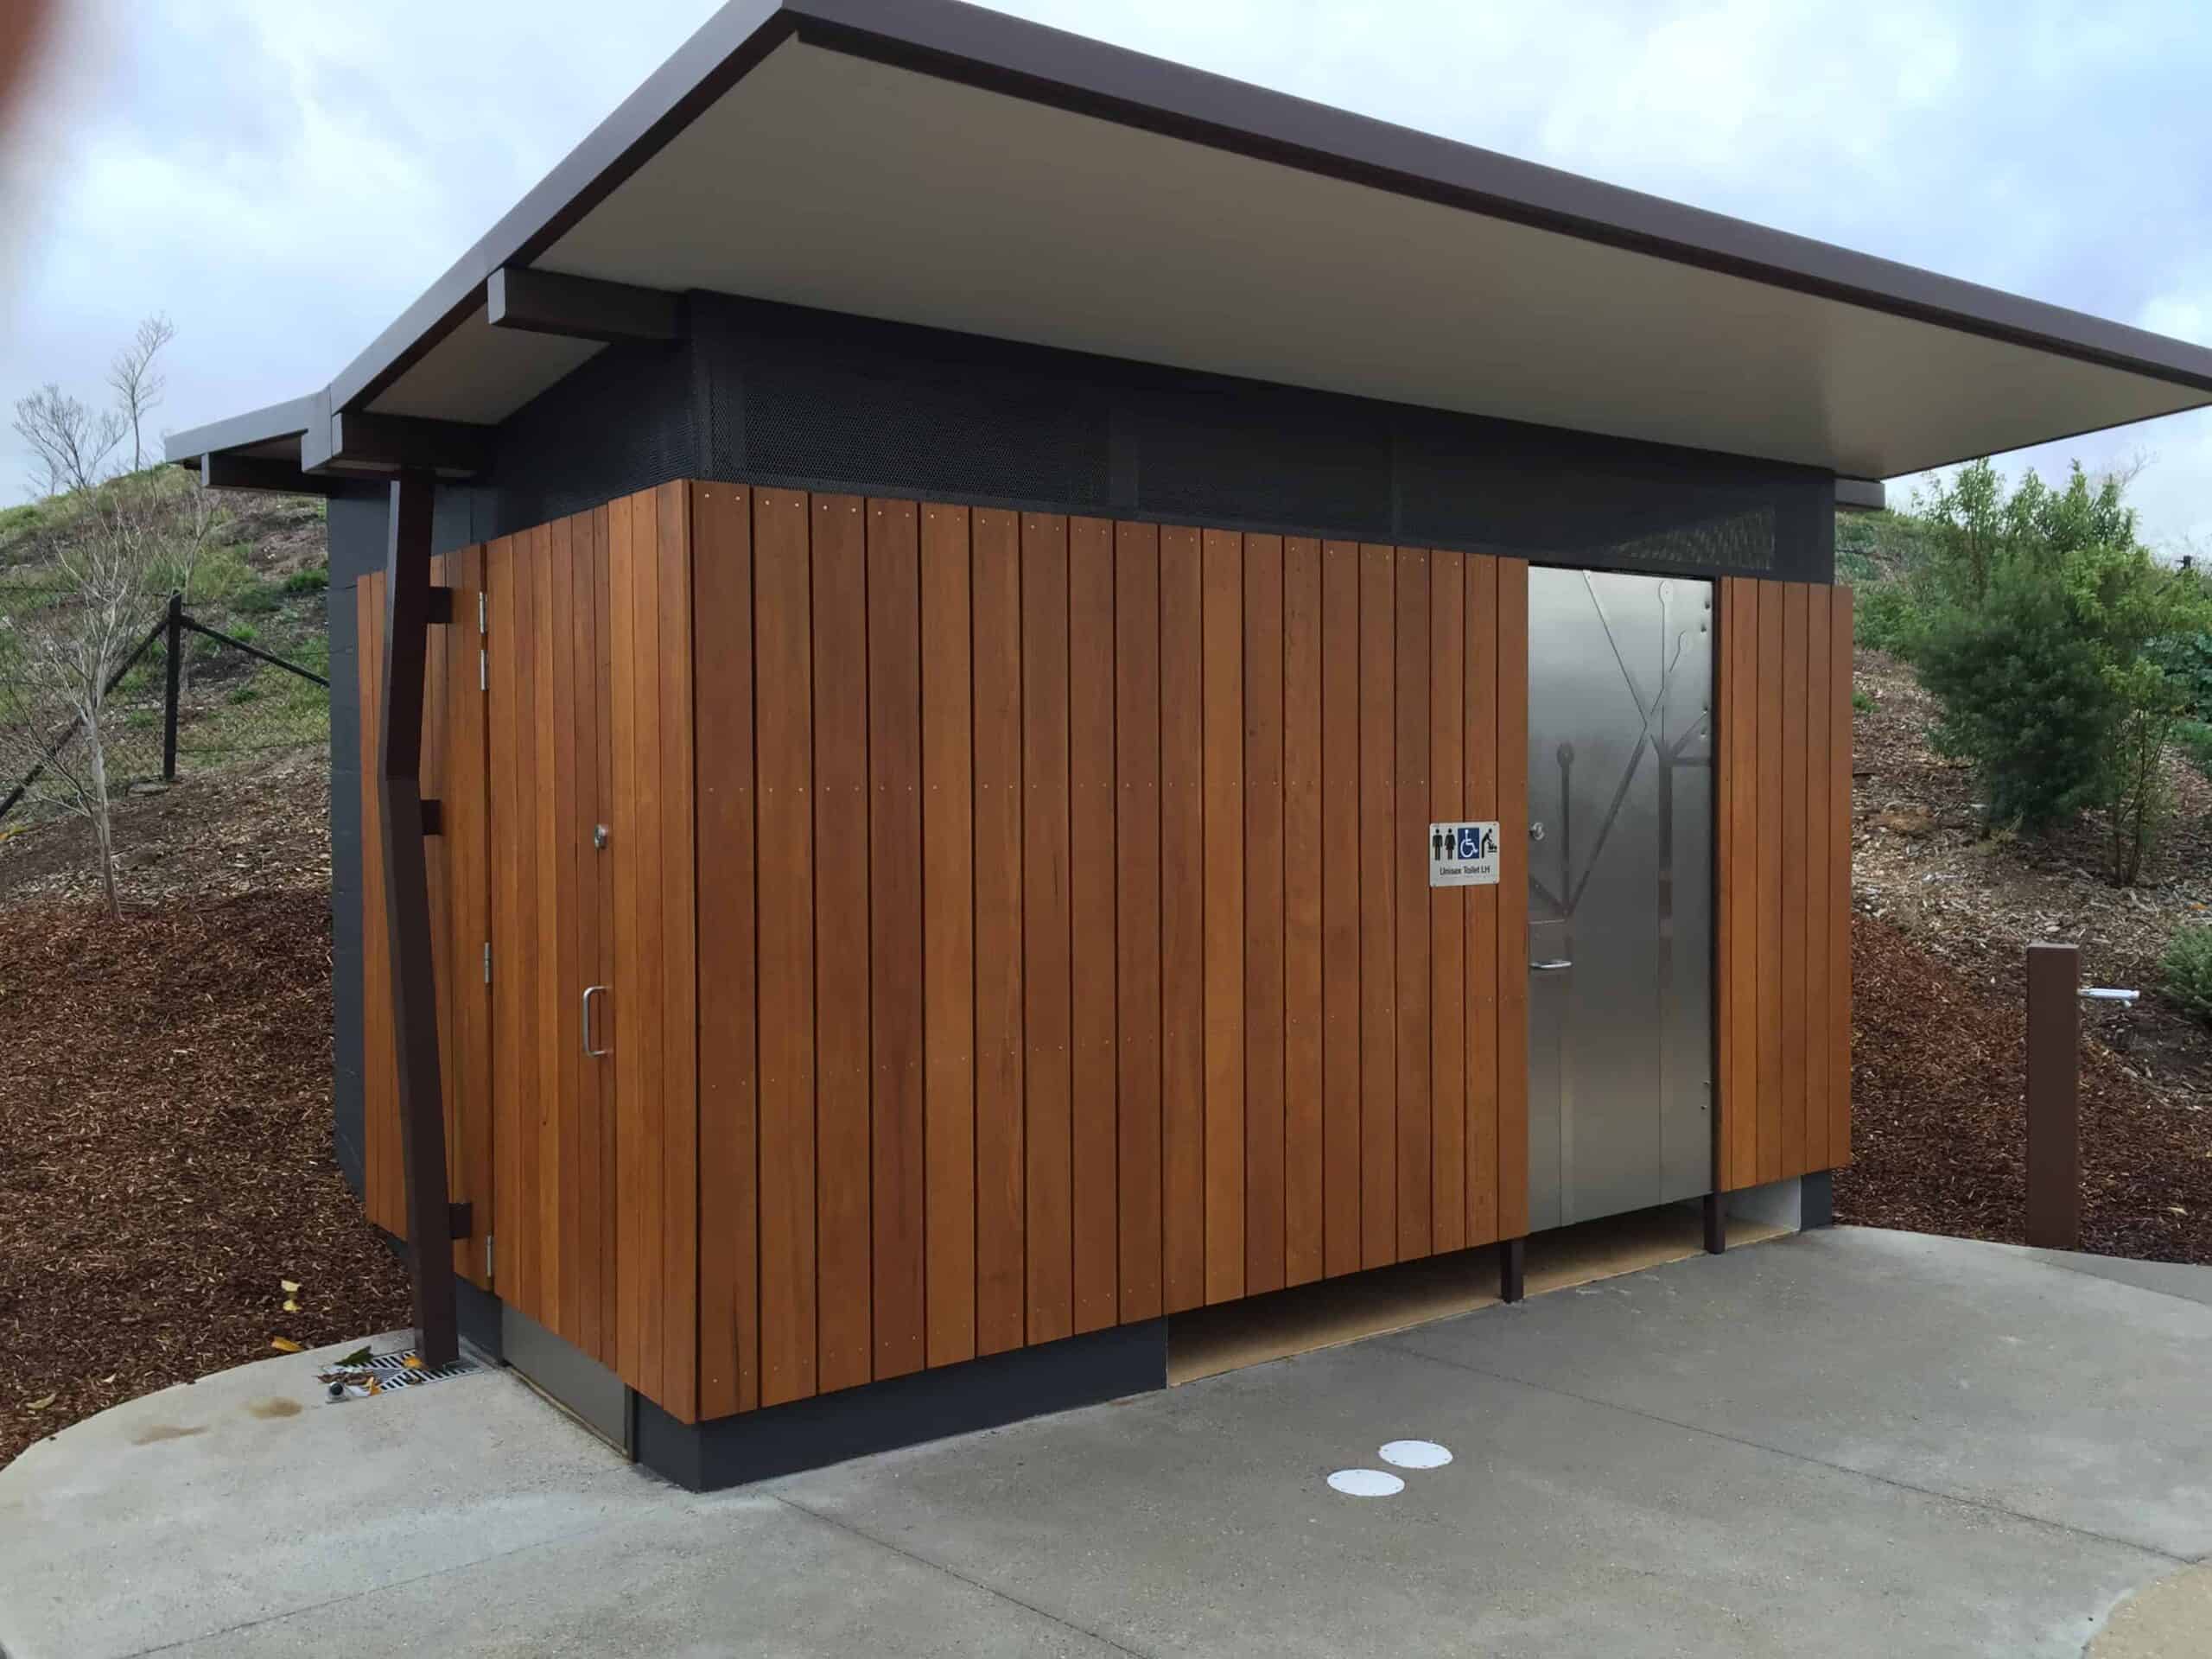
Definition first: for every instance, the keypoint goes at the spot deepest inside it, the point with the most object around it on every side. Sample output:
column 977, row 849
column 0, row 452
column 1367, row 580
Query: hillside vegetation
column 256, row 570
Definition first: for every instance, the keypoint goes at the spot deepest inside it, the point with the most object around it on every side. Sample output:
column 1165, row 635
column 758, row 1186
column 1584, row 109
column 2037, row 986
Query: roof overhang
column 932, row 162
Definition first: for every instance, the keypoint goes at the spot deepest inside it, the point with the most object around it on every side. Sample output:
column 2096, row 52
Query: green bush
column 2187, row 969
column 2024, row 698
column 259, row 599
column 1886, row 617
column 2055, row 644
column 307, row 582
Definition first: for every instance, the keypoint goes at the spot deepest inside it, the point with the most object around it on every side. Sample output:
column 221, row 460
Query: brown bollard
column 2054, row 1096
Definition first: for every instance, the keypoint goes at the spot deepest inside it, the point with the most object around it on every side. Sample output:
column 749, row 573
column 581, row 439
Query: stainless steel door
column 1620, row 893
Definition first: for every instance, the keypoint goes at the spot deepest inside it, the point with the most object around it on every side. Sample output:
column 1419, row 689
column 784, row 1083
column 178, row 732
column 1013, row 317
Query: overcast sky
column 283, row 178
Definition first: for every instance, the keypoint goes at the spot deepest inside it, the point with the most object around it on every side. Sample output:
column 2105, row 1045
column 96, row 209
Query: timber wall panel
column 1016, row 924
column 1136, row 798
column 1305, row 1178
column 1094, row 1150
column 894, row 692
column 1784, row 924
column 1182, row 921
column 1145, row 1002
column 948, row 939
column 721, row 632
column 784, row 911
column 997, row 636
column 1265, row 1047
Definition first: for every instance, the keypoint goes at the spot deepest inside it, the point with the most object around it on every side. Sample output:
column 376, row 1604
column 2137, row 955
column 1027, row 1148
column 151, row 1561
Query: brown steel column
column 2054, row 1115
column 407, row 912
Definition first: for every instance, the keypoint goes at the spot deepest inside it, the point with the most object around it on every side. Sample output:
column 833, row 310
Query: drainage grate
column 362, row 1376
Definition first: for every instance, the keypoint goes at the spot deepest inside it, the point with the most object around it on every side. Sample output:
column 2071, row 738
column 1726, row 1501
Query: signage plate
column 1463, row 855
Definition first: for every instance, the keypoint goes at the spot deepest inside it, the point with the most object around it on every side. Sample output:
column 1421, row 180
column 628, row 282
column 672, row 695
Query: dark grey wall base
column 1816, row 1198
column 480, row 1326
column 906, row 1411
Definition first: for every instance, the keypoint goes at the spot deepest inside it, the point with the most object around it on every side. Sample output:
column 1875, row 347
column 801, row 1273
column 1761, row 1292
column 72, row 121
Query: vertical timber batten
column 407, row 907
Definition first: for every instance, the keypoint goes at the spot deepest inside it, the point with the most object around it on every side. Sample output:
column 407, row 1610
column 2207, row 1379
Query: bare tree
column 137, row 380
column 72, row 443
column 65, row 655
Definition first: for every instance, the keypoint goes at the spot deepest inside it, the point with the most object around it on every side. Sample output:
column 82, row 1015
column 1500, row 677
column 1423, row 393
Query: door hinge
column 483, row 668
column 487, row 962
column 483, row 614
column 488, row 1273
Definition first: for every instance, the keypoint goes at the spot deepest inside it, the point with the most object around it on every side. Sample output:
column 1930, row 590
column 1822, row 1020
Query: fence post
column 2054, row 1096
column 175, row 636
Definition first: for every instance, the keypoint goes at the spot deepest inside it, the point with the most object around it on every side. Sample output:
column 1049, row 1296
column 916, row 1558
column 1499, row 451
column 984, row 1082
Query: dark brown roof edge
column 989, row 49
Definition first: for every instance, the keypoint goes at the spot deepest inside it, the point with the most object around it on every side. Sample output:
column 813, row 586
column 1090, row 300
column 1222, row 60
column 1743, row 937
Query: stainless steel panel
column 1620, row 893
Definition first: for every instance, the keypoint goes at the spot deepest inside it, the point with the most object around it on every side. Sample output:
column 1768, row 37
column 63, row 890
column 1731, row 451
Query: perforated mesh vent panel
column 621, row 423
column 780, row 394
column 1283, row 459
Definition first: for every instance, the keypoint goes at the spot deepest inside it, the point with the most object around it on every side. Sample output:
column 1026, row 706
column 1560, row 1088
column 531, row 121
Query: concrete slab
column 1199, row 1522
column 699, row 1579
column 1956, row 1367
column 1797, row 1448
column 2192, row 1284
column 247, row 1495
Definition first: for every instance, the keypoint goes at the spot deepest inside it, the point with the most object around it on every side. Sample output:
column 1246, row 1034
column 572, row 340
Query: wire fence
column 230, row 701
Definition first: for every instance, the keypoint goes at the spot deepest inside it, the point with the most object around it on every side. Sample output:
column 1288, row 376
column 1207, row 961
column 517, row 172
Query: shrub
column 2023, row 697
column 2187, row 969
column 259, row 599
column 1887, row 616
column 307, row 582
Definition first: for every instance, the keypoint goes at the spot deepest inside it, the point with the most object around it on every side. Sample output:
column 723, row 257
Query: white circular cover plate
column 1415, row 1454
column 1366, row 1483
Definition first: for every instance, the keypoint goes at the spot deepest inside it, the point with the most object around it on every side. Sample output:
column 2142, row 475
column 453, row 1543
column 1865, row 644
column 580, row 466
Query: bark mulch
column 165, row 1151
column 1939, row 1118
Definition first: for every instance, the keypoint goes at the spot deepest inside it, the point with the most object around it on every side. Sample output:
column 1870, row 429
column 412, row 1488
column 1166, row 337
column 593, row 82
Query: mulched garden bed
column 165, row 1151
column 1940, row 1117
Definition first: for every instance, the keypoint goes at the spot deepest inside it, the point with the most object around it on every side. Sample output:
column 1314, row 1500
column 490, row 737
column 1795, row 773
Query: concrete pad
column 2192, row 1284
column 1945, row 1365
column 696, row 1579
column 1200, row 1521
column 249, row 1494
column 1855, row 1381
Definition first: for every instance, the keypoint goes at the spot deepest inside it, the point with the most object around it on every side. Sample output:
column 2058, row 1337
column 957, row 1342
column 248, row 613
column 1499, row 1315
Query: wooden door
column 554, row 1138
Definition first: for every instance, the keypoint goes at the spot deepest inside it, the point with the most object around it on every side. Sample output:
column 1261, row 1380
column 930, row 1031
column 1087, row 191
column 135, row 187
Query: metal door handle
column 590, row 1051
column 1552, row 967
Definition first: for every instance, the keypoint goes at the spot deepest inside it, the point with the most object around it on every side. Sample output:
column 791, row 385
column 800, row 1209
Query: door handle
column 591, row 1050
column 1557, row 964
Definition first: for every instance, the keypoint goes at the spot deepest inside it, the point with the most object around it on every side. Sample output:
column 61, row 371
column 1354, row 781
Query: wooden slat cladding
column 721, row 654
column 1141, row 998
column 454, row 773
column 1784, row 921
column 1013, row 925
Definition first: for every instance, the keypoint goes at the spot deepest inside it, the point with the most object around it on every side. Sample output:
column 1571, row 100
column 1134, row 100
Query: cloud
column 284, row 188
